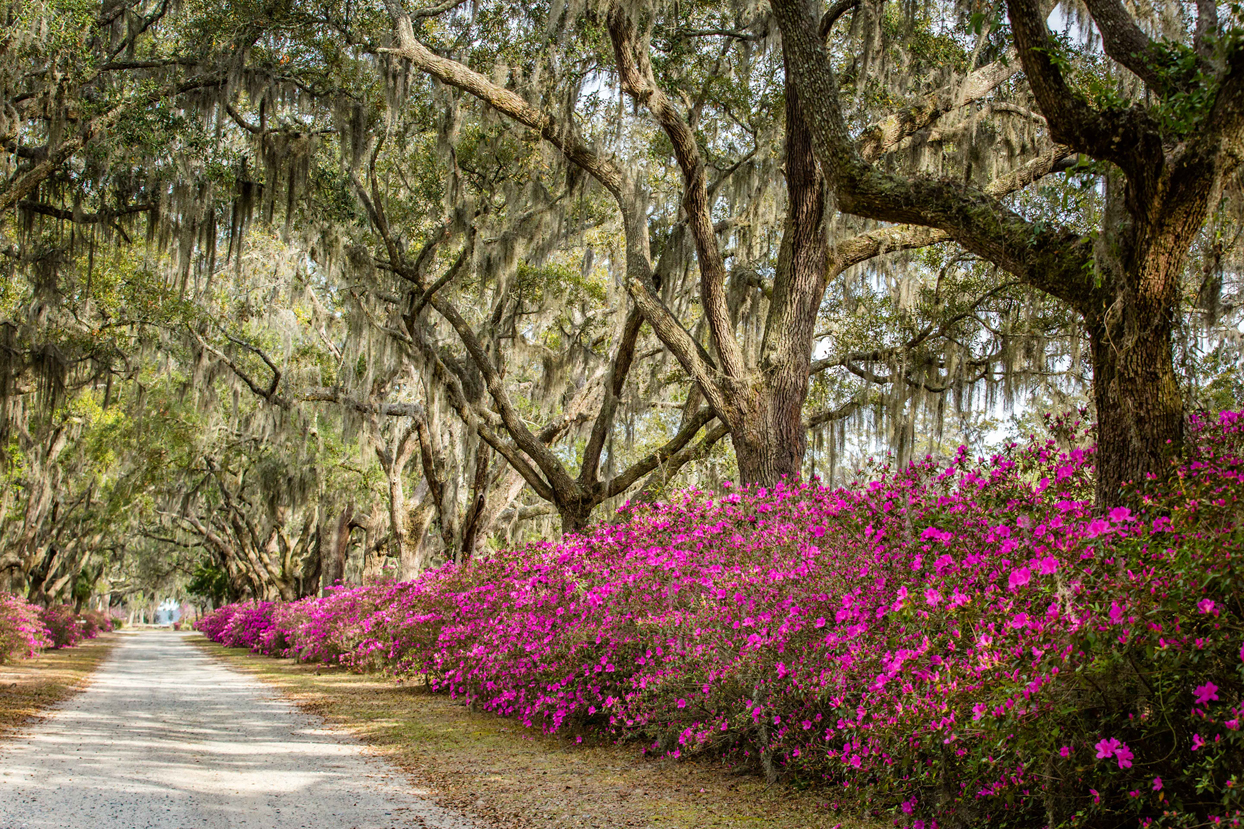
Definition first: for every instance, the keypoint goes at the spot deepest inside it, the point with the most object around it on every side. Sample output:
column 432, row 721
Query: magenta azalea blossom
column 1019, row 577
column 1106, row 748
column 1206, row 693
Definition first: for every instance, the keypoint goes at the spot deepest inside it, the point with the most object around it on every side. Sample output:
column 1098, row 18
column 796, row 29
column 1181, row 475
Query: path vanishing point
column 165, row 737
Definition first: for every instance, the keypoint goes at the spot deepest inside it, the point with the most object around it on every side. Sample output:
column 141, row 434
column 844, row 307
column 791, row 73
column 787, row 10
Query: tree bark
column 417, row 552
column 575, row 515
column 1139, row 409
column 334, row 543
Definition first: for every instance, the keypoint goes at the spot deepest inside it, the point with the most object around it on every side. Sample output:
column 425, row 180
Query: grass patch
column 31, row 686
column 493, row 768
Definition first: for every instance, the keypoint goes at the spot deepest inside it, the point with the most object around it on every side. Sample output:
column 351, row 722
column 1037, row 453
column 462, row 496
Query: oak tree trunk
column 575, row 516
column 770, row 441
column 334, row 543
column 1139, row 403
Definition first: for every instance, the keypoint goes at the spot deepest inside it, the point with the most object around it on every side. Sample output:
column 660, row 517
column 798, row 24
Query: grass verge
column 494, row 769
column 31, row 686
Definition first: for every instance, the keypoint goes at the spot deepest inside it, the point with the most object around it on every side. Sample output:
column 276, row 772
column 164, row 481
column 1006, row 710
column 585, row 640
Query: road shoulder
column 31, row 687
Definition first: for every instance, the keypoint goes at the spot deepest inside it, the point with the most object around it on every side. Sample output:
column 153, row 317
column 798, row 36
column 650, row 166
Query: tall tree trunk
column 397, row 512
column 770, row 441
column 334, row 543
column 1140, row 258
column 472, row 529
column 416, row 553
column 1139, row 404
column 575, row 515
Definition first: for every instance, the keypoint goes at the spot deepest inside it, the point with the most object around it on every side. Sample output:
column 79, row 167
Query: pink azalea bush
column 64, row 627
column 94, row 623
column 950, row 645
column 212, row 624
column 241, row 625
column 21, row 631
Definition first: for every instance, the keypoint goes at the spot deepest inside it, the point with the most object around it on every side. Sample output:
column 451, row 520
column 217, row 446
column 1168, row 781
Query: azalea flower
column 1107, row 748
column 1206, row 693
column 1019, row 577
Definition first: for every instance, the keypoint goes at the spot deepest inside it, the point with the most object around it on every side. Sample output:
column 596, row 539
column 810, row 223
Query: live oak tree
column 757, row 386
column 1164, row 120
column 535, row 306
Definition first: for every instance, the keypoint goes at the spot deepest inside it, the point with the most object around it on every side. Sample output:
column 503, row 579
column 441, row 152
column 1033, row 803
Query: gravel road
column 165, row 737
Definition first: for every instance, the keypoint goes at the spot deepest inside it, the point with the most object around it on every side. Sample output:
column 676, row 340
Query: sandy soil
column 29, row 687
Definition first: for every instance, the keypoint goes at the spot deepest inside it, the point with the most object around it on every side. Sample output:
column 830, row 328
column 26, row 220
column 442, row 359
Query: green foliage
column 210, row 582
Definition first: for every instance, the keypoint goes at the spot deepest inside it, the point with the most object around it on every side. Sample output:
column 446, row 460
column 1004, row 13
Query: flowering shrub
column 212, row 624
column 94, row 623
column 950, row 645
column 64, row 628
column 245, row 624
column 21, row 631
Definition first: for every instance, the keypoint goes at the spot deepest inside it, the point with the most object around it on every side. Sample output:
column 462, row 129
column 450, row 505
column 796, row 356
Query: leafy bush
column 64, row 628
column 949, row 645
column 209, row 581
column 21, row 630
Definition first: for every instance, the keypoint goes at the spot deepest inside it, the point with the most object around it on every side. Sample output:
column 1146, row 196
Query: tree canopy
column 305, row 292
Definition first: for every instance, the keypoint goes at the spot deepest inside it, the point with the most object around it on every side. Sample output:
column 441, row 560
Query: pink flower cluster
column 22, row 633
column 930, row 641
column 242, row 625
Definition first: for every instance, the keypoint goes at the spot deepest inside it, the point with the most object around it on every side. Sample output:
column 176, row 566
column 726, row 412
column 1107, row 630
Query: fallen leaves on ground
column 29, row 687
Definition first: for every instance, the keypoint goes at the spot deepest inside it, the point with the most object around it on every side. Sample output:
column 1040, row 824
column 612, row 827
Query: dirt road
column 167, row 738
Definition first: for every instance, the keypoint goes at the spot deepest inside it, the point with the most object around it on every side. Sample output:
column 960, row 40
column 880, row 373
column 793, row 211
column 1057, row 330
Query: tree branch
column 635, row 73
column 885, row 134
column 99, row 126
column 834, row 12
column 623, row 357
column 1054, row 259
column 662, row 455
column 686, row 349
column 1124, row 41
column 1126, row 137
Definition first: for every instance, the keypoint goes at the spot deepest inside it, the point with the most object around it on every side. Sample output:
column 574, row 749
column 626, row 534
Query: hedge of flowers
column 26, row 629
column 947, row 644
